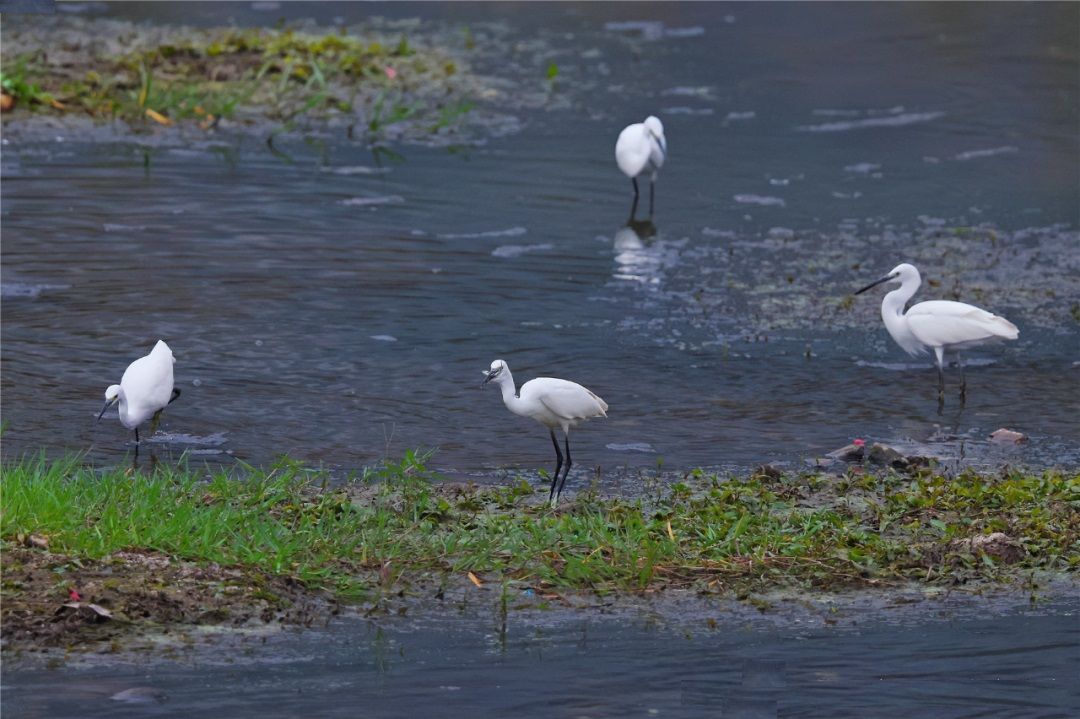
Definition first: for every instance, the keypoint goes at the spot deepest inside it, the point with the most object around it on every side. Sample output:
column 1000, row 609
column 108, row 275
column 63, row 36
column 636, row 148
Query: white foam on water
column 384, row 338
column 509, row 232
column 631, row 447
column 356, row 170
column 517, row 250
column 372, row 201
column 907, row 118
column 21, row 289
column 765, row 200
column 862, row 168
column 213, row 440
column 988, row 152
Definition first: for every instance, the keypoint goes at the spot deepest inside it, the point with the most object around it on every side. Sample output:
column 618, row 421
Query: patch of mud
column 55, row 601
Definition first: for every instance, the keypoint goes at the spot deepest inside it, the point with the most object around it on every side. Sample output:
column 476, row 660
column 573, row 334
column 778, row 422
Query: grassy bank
column 402, row 529
column 376, row 84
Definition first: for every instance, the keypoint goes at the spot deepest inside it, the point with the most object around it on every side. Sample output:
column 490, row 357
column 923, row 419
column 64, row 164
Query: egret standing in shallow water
column 641, row 149
column 554, row 403
column 145, row 389
column 940, row 325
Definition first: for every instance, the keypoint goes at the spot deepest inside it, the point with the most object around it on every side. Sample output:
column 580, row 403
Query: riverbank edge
column 98, row 559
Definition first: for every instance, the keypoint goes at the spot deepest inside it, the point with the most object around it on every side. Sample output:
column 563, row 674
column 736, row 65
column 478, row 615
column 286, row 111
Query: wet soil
column 53, row 601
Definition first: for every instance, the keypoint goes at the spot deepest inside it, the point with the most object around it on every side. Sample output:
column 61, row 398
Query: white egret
column 554, row 403
column 641, row 149
column 940, row 325
column 145, row 389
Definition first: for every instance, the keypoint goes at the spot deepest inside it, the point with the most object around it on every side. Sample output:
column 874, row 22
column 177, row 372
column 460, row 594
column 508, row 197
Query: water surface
column 341, row 310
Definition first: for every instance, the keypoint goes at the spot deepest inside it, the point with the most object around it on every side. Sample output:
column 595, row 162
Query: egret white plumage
column 641, row 150
column 554, row 403
column 940, row 325
column 145, row 389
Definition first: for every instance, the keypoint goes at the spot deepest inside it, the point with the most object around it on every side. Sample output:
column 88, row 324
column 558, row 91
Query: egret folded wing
column 568, row 400
column 942, row 323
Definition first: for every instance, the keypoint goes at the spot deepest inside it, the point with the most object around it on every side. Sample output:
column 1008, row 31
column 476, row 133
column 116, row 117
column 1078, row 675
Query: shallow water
column 340, row 314
column 340, row 310
column 940, row 660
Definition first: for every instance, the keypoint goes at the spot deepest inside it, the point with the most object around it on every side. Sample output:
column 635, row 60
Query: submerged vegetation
column 117, row 71
column 401, row 531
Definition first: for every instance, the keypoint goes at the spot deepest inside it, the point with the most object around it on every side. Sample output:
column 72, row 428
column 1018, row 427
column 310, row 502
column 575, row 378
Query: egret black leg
column 652, row 190
column 633, row 205
column 175, row 394
column 136, row 436
column 963, row 382
column 155, row 421
column 558, row 466
column 569, row 463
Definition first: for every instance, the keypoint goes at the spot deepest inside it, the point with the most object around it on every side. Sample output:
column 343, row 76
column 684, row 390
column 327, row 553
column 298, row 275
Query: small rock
column 998, row 545
column 850, row 453
column 37, row 540
column 885, row 455
column 1007, row 436
column 7, row 102
column 767, row 471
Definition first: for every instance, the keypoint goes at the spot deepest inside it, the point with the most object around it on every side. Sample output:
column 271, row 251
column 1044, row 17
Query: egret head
column 656, row 129
column 498, row 368
column 112, row 395
column 903, row 273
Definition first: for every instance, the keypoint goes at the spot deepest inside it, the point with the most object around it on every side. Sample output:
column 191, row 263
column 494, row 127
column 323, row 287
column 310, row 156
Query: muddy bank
column 141, row 599
column 91, row 556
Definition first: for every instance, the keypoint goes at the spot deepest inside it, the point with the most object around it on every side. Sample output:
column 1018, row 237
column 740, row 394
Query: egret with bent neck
column 940, row 325
column 554, row 403
column 145, row 389
column 641, row 150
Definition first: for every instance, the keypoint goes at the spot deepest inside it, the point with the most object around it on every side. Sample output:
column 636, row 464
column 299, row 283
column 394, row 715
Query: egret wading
column 145, row 389
column 554, row 403
column 940, row 325
column 641, row 150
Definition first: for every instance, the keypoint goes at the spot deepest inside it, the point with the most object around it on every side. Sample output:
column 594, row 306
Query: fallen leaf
column 74, row 595
column 57, row 104
column 37, row 540
column 670, row 533
column 473, row 578
column 158, row 117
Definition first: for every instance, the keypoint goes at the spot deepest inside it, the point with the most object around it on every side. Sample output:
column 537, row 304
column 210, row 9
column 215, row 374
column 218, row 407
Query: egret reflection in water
column 636, row 259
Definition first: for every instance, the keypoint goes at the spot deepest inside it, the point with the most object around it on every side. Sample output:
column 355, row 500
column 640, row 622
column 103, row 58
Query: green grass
column 280, row 75
column 400, row 526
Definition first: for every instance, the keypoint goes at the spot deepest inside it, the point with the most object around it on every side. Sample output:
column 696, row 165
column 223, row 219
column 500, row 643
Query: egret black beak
column 875, row 283
column 488, row 376
column 108, row 403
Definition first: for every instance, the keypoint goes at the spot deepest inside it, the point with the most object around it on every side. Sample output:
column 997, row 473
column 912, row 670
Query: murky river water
column 951, row 662
column 339, row 315
column 340, row 310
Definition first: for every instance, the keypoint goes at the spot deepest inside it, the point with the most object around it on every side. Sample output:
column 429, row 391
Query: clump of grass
column 400, row 526
column 244, row 74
